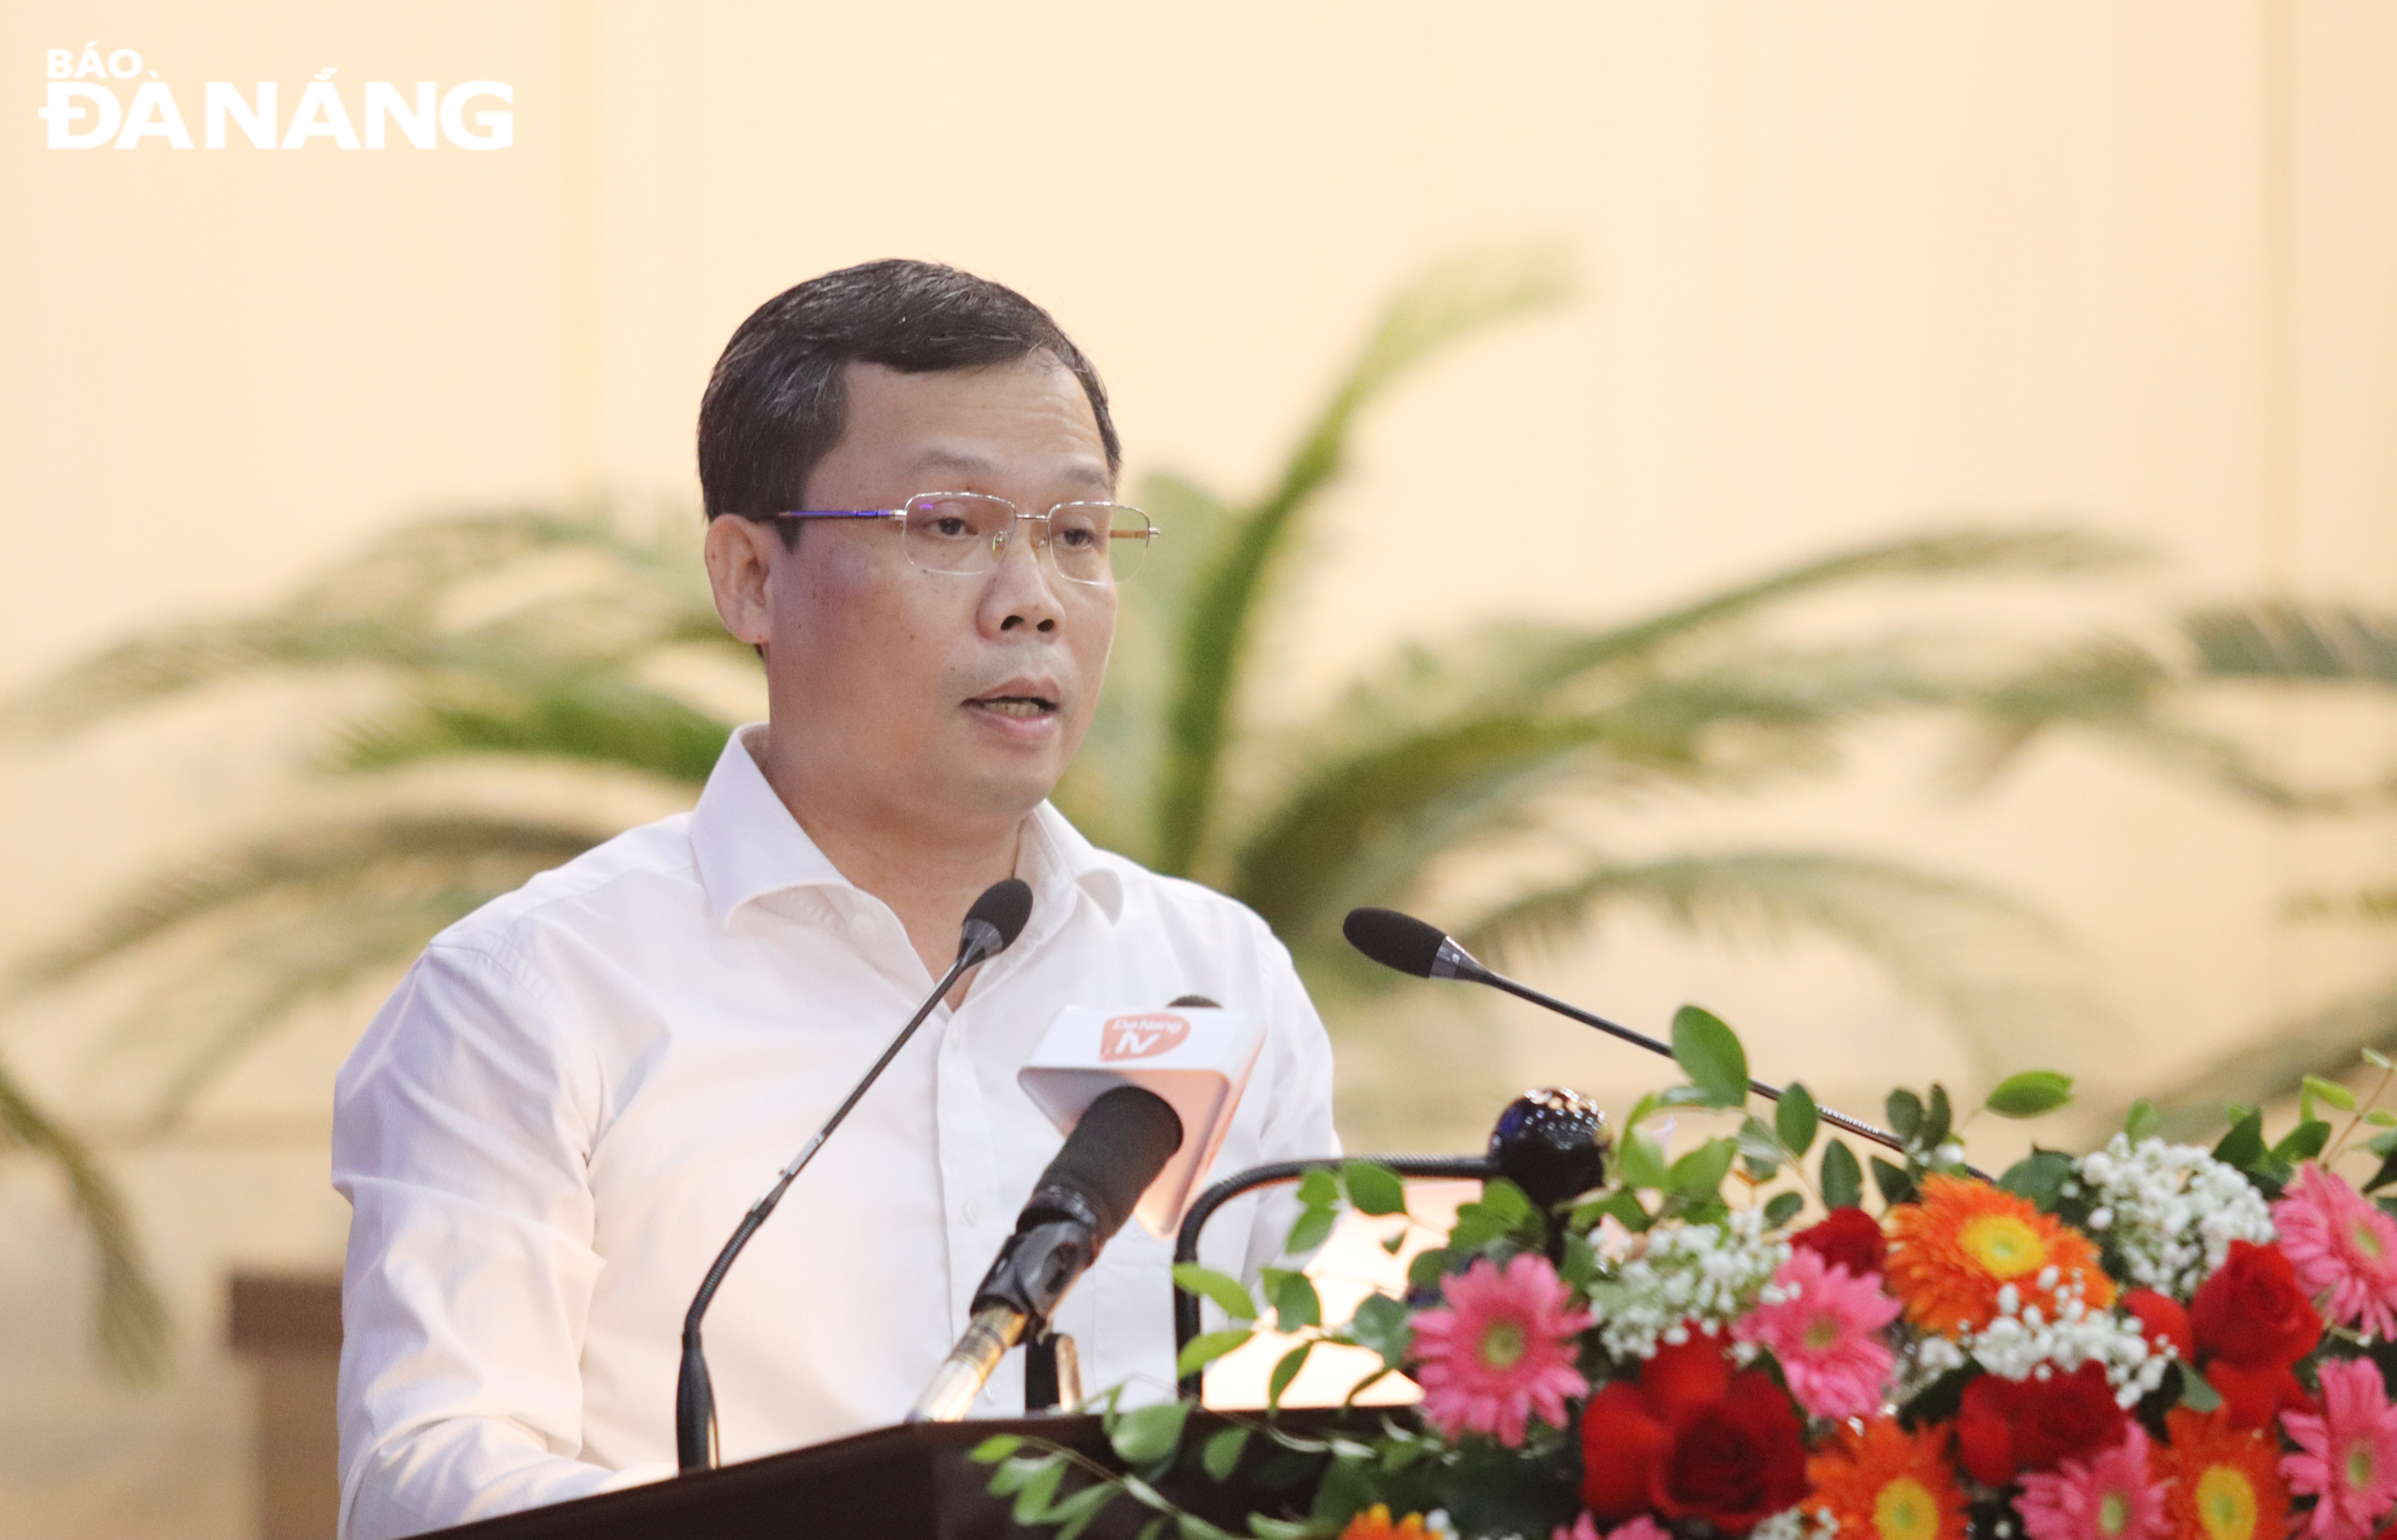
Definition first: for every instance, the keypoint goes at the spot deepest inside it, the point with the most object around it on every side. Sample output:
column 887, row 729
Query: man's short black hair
column 778, row 401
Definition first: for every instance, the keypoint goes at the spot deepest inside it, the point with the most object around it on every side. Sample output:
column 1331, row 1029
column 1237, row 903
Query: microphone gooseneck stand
column 991, row 927
column 1411, row 945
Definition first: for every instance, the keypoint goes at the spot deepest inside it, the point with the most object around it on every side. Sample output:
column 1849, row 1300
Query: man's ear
column 740, row 556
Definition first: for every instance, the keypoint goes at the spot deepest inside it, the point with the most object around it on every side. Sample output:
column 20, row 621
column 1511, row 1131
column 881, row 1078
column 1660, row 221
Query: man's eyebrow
column 973, row 462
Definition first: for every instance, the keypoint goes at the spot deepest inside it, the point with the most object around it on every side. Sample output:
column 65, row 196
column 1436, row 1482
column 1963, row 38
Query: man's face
column 930, row 698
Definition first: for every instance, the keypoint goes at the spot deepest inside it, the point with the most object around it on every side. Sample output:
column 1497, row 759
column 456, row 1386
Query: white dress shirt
column 559, row 1117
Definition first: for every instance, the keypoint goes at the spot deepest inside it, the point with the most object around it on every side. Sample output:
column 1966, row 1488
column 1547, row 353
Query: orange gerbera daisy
column 1884, row 1483
column 2226, row 1480
column 1950, row 1253
column 1373, row 1524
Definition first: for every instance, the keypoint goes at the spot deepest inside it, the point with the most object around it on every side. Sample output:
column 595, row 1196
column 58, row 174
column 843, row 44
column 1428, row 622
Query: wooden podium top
column 906, row 1483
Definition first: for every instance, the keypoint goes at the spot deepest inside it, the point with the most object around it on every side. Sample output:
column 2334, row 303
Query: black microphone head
column 996, row 919
column 1191, row 1003
column 1553, row 1144
column 1394, row 940
column 1122, row 1142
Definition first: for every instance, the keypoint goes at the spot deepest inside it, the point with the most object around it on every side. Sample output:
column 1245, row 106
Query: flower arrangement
column 2147, row 1341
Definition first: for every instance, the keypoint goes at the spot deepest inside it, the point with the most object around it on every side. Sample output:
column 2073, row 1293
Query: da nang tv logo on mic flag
column 110, row 97
column 1141, row 1037
column 1198, row 1060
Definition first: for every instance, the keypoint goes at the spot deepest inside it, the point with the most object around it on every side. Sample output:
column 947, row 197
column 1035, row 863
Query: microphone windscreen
column 1192, row 1003
column 1122, row 1141
column 1394, row 940
column 1004, row 907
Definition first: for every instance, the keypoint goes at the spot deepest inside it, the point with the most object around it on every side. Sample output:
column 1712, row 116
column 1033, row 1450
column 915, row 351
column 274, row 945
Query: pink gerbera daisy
column 2343, row 1248
column 1586, row 1528
column 1501, row 1350
column 2108, row 1496
column 1823, row 1332
column 2347, row 1457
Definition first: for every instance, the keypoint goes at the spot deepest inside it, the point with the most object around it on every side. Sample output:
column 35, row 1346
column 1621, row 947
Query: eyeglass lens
column 966, row 533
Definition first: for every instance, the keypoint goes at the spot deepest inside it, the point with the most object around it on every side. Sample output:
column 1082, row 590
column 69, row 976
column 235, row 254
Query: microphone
column 1409, row 945
column 1193, row 1054
column 1122, row 1142
column 991, row 928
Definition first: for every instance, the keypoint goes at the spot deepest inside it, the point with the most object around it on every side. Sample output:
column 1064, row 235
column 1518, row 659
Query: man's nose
column 1022, row 593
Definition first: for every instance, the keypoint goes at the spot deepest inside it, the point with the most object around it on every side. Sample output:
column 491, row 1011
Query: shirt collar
column 747, row 845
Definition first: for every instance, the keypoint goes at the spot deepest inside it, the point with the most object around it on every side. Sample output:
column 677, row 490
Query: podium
column 906, row 1483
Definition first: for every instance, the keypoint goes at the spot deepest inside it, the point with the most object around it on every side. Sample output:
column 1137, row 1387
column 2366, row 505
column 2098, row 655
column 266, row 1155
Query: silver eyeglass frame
column 1147, row 535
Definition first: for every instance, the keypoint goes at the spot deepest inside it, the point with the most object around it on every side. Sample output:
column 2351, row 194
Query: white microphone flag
column 1198, row 1060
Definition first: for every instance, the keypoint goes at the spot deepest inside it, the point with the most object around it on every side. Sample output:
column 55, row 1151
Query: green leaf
column 2244, row 1146
column 1074, row 1514
column 1384, row 1325
column 1699, row 1174
column 1938, row 1122
column 1222, row 1451
column 1155, row 1527
column 2039, row 1176
column 1906, row 1113
column 2195, row 1393
column 1033, row 1500
column 1842, row 1179
column 1759, row 1146
column 1710, row 1054
column 1796, row 1119
column 1501, row 1210
column 1311, row 1228
column 1279, row 1529
column 2032, row 1093
column 1642, row 1162
column 1192, row 1527
column 1208, row 1347
column 2377, row 1059
column 1428, row 1268
column 1149, row 1434
column 2380, row 1116
column 993, row 1449
column 1782, row 1208
column 2304, row 1142
column 2144, row 1121
column 1318, row 1189
column 1373, row 1189
column 2330, row 1090
column 1226, row 1291
column 1621, row 1205
column 2382, row 1178
column 1296, row 1305
column 1285, row 1371
column 1895, row 1185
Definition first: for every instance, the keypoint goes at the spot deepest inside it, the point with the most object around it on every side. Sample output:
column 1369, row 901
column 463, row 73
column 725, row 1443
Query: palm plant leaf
column 1949, row 553
column 1217, row 630
column 315, row 872
column 1904, row 919
column 2325, row 1043
column 588, row 716
column 132, row 1319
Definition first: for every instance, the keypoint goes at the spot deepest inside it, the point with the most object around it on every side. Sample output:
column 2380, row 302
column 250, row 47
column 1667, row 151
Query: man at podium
column 553, row 1125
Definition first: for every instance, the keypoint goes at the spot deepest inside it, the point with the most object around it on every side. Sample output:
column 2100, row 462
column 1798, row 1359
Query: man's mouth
column 1015, row 705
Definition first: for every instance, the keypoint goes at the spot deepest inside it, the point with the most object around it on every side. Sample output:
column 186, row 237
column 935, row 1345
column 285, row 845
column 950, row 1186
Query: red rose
column 1679, row 1380
column 1621, row 1442
column 1692, row 1439
column 2162, row 1322
column 2252, row 1313
column 1848, row 1237
column 2004, row 1427
column 1735, row 1460
column 2252, row 1397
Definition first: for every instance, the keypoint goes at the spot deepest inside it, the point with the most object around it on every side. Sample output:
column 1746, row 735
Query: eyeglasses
column 967, row 531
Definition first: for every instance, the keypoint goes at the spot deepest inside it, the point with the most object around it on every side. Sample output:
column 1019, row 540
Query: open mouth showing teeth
column 1016, row 705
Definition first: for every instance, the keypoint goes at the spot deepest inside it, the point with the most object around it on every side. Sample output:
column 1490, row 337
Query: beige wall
column 1849, row 266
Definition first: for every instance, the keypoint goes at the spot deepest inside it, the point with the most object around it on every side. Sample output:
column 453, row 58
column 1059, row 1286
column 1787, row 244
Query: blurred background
column 1482, row 365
